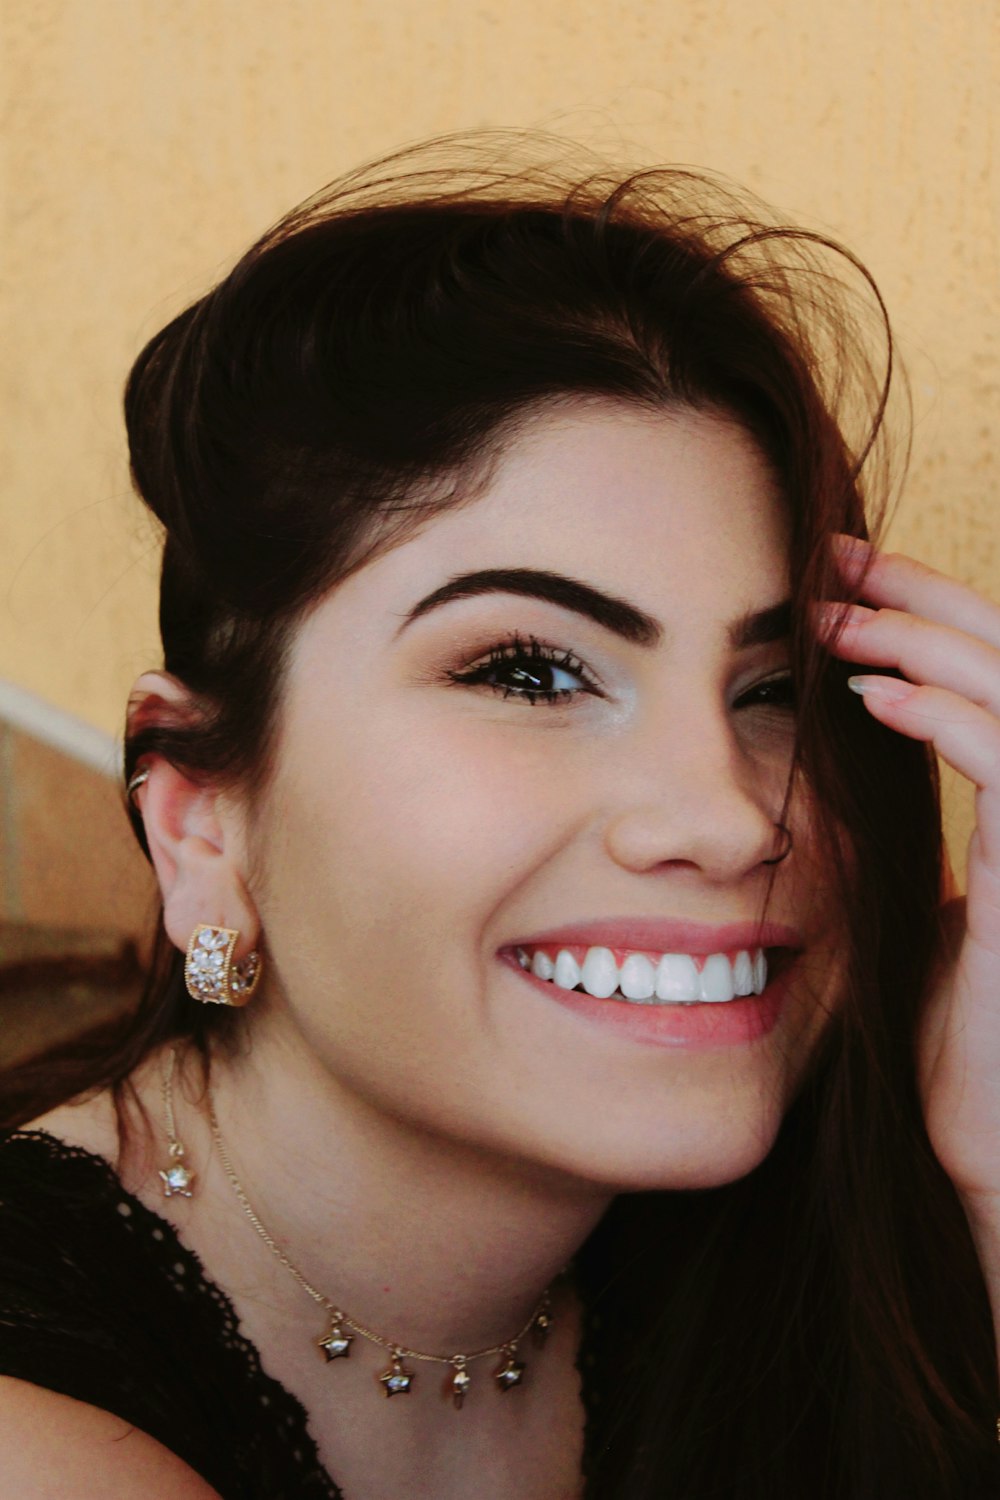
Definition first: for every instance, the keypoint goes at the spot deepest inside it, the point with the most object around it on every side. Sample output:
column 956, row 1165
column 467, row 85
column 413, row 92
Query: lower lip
column 730, row 1023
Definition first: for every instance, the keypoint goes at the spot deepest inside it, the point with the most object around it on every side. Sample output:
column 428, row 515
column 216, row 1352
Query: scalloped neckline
column 208, row 1288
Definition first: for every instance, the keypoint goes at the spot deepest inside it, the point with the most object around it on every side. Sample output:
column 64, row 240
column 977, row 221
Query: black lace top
column 101, row 1301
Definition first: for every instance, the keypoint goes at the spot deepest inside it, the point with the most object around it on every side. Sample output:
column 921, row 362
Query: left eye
column 529, row 670
column 775, row 692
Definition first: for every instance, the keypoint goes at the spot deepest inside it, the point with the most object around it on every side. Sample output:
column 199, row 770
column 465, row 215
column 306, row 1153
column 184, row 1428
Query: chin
column 712, row 1168
column 699, row 1168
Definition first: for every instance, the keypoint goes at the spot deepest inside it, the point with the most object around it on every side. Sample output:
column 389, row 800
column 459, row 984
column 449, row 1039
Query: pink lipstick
column 695, row 1024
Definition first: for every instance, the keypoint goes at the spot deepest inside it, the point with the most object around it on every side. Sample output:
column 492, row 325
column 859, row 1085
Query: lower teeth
column 578, row 989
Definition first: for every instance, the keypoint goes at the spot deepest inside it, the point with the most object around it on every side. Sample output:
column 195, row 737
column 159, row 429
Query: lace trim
column 288, row 1419
column 186, row 1274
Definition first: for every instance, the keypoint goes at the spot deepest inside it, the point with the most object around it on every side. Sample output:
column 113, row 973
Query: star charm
column 177, row 1181
column 396, row 1381
column 460, row 1382
column 336, row 1344
column 510, row 1374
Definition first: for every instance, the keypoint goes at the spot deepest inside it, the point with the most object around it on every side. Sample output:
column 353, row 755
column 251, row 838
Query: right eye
column 529, row 670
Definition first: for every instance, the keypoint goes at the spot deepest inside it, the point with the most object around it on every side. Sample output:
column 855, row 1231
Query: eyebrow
column 761, row 627
column 632, row 624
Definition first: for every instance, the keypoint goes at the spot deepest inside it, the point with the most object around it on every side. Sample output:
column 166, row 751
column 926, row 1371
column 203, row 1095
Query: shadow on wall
column 77, row 898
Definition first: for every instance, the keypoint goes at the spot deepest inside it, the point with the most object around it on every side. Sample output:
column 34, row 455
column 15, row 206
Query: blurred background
column 147, row 142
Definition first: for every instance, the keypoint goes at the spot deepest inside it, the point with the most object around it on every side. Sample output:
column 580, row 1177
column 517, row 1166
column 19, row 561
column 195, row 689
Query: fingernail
column 885, row 689
column 829, row 614
column 852, row 555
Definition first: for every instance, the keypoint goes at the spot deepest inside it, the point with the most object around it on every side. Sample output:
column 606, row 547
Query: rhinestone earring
column 210, row 973
column 177, row 1177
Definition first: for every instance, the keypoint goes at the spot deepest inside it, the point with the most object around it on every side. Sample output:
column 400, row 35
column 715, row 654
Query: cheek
column 408, row 837
column 382, row 881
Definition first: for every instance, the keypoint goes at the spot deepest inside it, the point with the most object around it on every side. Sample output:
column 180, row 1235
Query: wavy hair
column 819, row 1328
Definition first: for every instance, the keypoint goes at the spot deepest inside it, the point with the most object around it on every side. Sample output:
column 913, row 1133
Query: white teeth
column 599, row 975
column 759, row 972
column 677, row 978
column 717, row 979
column 638, row 977
column 743, row 973
column 567, row 975
column 674, row 979
column 542, row 965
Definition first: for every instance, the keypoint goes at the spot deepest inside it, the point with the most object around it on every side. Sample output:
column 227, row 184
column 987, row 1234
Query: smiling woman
column 550, row 949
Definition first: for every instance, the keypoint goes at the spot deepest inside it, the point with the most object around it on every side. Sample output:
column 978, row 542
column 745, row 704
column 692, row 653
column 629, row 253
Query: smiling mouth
column 660, row 979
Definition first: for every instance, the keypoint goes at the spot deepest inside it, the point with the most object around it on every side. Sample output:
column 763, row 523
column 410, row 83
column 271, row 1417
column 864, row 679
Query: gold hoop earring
column 210, row 974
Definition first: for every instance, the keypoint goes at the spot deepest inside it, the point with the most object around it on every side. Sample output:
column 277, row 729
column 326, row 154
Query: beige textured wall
column 146, row 141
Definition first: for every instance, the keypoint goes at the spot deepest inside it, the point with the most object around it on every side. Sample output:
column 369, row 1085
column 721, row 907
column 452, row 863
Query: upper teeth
column 648, row 978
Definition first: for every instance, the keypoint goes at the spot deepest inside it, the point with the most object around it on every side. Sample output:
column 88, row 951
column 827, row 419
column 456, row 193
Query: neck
column 432, row 1242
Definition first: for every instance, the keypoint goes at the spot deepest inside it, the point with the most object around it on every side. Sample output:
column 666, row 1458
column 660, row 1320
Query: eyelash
column 782, row 686
column 776, row 692
column 532, row 651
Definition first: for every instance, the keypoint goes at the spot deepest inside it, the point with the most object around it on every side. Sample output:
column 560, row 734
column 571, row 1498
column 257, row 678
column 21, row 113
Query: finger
column 928, row 653
column 964, row 734
column 900, row 582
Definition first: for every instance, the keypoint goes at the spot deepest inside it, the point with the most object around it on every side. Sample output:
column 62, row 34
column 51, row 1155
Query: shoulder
column 119, row 1133
column 88, row 1123
column 93, row 1123
column 67, row 1156
column 85, row 1268
column 71, row 1266
column 118, row 1347
column 113, row 1353
column 54, row 1446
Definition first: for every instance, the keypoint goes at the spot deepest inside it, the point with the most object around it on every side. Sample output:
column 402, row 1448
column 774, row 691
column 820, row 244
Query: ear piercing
column 210, row 973
column 135, row 781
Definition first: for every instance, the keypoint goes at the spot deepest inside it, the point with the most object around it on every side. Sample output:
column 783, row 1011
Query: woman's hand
column 946, row 640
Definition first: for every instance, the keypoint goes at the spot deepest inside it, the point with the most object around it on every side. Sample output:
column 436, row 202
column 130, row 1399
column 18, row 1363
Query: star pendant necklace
column 342, row 1330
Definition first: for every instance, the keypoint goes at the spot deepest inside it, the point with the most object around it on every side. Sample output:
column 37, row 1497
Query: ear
column 195, row 834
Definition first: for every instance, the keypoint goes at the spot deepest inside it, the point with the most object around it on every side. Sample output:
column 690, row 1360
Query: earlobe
column 197, row 856
column 195, row 842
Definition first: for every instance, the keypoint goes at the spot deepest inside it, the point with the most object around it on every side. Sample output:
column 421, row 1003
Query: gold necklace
column 336, row 1343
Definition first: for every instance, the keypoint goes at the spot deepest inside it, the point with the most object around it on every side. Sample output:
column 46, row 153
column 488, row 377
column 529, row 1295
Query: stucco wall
column 146, row 141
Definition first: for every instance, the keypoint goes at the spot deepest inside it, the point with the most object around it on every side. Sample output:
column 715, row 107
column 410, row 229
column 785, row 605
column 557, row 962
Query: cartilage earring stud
column 136, row 780
column 210, row 973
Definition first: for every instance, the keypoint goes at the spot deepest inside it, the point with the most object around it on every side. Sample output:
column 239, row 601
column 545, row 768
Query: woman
column 576, row 930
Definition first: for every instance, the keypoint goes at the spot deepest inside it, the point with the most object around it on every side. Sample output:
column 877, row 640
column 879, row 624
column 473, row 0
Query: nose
column 691, row 799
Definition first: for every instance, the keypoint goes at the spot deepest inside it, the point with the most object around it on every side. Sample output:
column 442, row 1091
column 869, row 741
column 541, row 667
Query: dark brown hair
column 820, row 1328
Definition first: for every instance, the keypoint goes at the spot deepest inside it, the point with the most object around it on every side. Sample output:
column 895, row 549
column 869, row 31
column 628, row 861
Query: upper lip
column 664, row 935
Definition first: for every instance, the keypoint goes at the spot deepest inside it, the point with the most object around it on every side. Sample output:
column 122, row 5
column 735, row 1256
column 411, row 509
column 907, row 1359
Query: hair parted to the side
column 819, row 1329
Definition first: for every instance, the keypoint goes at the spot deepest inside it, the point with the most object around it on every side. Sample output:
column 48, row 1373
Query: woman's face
column 582, row 750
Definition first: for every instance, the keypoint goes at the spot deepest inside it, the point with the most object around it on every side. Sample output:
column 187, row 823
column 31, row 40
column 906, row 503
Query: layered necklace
column 342, row 1330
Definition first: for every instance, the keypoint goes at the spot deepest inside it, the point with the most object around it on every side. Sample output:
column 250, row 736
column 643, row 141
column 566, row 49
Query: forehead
column 676, row 512
column 621, row 497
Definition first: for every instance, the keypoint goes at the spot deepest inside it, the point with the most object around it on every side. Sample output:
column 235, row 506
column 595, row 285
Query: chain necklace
column 335, row 1343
